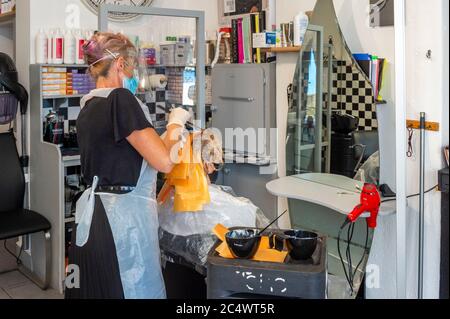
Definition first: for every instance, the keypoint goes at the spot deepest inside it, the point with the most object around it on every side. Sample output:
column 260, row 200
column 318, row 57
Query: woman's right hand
column 179, row 116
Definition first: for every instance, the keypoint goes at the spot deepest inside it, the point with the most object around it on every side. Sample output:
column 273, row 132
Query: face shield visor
column 148, row 82
column 138, row 77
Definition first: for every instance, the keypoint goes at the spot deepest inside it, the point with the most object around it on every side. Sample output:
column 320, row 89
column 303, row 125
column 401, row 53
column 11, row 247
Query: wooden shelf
column 56, row 97
column 7, row 18
column 282, row 50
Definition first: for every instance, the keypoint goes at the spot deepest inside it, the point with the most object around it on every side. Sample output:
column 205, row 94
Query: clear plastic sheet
column 370, row 170
column 189, row 235
column 226, row 209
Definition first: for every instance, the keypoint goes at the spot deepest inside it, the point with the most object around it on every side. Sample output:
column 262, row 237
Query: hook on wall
column 429, row 54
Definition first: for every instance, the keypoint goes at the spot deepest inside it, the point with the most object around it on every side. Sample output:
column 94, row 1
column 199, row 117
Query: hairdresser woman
column 115, row 243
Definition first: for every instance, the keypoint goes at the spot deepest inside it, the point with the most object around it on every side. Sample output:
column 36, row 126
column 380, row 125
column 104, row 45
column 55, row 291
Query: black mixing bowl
column 243, row 243
column 301, row 244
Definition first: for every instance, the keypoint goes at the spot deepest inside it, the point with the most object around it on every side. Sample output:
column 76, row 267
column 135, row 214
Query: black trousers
column 97, row 261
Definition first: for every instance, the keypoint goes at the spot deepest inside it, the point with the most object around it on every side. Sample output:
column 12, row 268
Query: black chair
column 366, row 143
column 15, row 221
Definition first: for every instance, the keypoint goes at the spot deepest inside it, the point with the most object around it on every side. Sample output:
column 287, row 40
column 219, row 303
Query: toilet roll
column 158, row 81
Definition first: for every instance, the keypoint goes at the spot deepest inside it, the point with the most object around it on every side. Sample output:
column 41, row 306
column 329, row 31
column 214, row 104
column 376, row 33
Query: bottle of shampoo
column 69, row 48
column 41, row 47
column 58, row 47
column 50, row 46
column 301, row 22
column 79, row 40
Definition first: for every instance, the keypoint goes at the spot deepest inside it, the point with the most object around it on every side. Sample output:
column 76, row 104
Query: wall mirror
column 328, row 82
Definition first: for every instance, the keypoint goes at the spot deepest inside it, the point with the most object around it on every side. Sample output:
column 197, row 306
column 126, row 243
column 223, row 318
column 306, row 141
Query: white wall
column 7, row 40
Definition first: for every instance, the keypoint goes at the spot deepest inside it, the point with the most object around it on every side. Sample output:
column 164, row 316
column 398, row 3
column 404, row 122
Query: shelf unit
column 57, row 97
column 49, row 168
column 295, row 49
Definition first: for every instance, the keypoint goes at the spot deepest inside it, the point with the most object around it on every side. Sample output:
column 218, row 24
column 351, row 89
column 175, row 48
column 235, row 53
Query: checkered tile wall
column 353, row 94
column 156, row 102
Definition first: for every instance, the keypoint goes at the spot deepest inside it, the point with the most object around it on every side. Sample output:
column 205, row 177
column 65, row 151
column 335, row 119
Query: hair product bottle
column 79, row 40
column 58, row 47
column 301, row 22
column 41, row 47
column 50, row 46
column 69, row 48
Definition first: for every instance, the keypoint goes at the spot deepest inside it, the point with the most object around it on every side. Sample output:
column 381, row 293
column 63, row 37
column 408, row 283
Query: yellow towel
column 188, row 181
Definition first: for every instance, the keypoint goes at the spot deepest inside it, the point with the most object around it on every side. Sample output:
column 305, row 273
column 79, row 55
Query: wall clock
column 93, row 5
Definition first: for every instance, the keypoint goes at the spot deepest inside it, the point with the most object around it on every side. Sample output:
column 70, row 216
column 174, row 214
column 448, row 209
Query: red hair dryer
column 370, row 203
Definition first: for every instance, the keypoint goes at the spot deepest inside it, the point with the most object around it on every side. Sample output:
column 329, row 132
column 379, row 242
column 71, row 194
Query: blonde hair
column 103, row 45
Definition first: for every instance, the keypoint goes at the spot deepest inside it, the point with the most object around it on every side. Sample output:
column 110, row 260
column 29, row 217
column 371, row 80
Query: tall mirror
column 305, row 110
column 332, row 128
column 328, row 90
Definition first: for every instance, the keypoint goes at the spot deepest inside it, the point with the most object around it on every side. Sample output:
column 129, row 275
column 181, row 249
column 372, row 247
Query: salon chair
column 351, row 150
column 15, row 221
column 366, row 143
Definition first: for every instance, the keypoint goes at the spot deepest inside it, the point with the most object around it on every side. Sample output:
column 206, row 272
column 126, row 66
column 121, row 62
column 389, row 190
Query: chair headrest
column 9, row 81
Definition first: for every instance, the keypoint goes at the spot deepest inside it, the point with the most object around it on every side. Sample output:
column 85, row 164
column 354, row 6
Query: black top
column 103, row 126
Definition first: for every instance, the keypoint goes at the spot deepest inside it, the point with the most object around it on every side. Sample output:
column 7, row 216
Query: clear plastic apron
column 134, row 223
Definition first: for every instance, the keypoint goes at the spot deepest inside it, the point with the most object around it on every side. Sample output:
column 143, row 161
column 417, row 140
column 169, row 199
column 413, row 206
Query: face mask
column 131, row 84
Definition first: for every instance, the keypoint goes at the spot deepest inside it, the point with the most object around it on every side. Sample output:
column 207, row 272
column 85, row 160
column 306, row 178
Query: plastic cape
column 188, row 181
